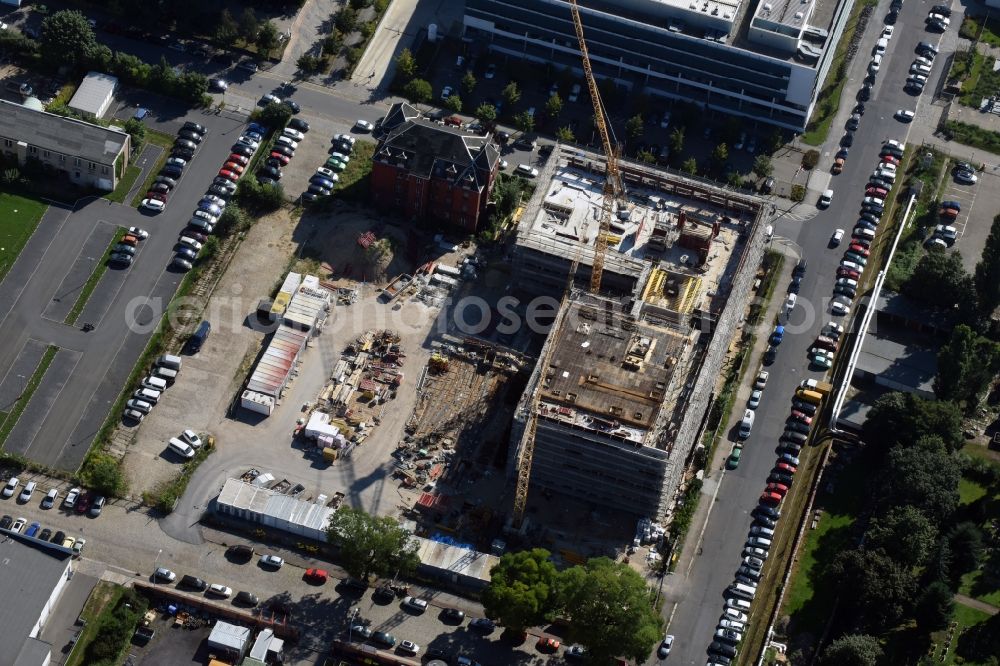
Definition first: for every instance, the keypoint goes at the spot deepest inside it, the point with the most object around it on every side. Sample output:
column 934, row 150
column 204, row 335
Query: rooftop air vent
column 767, row 6
column 798, row 15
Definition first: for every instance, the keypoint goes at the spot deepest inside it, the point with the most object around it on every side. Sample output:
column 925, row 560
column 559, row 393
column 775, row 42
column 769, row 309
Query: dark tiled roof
column 69, row 136
column 428, row 149
column 29, row 572
column 399, row 113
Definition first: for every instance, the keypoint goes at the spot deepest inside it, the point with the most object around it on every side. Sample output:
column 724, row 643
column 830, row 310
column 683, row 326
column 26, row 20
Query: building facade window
column 46, row 154
column 32, row 150
column 93, row 166
column 8, row 143
column 77, row 162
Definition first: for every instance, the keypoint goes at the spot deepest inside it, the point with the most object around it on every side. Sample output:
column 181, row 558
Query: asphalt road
column 698, row 595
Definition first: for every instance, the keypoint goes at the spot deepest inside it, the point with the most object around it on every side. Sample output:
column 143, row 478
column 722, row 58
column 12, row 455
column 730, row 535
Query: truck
column 198, row 338
column 816, row 385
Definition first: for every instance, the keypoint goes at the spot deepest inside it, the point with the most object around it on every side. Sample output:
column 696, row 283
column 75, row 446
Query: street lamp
column 350, row 626
column 156, row 561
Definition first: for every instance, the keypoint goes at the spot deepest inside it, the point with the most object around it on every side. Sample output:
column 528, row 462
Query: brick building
column 429, row 172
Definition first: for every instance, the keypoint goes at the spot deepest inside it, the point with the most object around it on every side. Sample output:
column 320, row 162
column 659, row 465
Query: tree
column 406, row 64
column 308, row 63
column 418, row 91
column 453, row 103
column 103, row 474
column 233, row 220
column 136, row 130
column 934, row 607
column 486, row 114
column 469, row 82
column 966, row 543
column 720, row 156
column 677, row 140
column 987, row 275
column 925, row 479
column 645, row 156
column 67, row 39
column 554, row 106
column 267, row 38
column 346, row 20
column 904, row 534
column 511, row 94
column 372, row 545
column 226, row 29
column 876, row 590
column 565, row 134
column 274, row 115
column 248, row 25
column 690, row 166
column 524, row 121
column 191, row 86
column 634, row 127
column 610, row 610
column 762, row 166
column 904, row 419
column 940, row 279
column 852, row 650
column 966, row 367
column 522, row 589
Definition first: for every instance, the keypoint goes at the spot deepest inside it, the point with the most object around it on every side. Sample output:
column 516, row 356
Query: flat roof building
column 764, row 61
column 88, row 155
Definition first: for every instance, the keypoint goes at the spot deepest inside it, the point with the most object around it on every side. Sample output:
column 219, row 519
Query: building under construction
column 630, row 371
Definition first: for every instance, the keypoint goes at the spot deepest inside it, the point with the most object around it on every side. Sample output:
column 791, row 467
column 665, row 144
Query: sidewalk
column 715, row 468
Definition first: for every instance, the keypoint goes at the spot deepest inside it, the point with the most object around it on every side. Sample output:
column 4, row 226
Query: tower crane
column 614, row 192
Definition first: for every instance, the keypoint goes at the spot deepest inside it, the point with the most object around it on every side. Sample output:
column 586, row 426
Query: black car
column 220, row 191
column 44, row 535
column 452, row 615
column 853, row 122
column 779, row 477
column 241, row 149
column 800, row 268
column 160, row 188
column 847, row 139
column 859, row 108
column 266, row 180
column 765, row 521
column 171, row 171
column 865, row 93
column 193, row 582
column 283, row 150
column 438, row 653
column 6, row 522
column 292, row 105
column 725, row 649
column 843, row 152
column 273, row 162
column 269, row 172
column 183, row 153
column 937, row 26
column 185, row 143
column 298, row 124
column 189, row 135
column 166, row 180
column 943, row 10
column 58, row 537
column 246, row 599
column 341, row 147
column 806, row 408
column 194, row 127
column 318, row 190
column 769, row 511
column 770, row 354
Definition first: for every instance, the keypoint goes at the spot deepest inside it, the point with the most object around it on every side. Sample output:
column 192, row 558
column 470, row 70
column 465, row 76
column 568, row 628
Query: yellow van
column 810, row 396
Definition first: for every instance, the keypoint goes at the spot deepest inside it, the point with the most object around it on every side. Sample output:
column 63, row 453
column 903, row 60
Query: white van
column 155, row 383
column 167, row 374
column 743, row 591
column 525, row 170
column 182, row 449
column 169, row 361
column 149, row 395
column 862, row 232
column 746, row 424
column 741, row 605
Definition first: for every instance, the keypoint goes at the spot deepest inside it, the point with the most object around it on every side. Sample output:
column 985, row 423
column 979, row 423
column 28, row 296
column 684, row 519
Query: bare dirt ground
column 208, row 381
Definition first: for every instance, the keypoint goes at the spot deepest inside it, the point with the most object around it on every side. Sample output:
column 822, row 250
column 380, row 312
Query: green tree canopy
column 406, row 64
column 136, row 130
column 453, row 103
column 103, row 473
column 940, row 279
column 987, row 275
column 554, row 105
column 966, row 543
column 521, row 592
column 511, row 94
column 346, row 20
column 371, row 545
column 903, row 419
column 690, row 166
column 925, row 479
column 226, row 29
column 274, row 115
column 967, row 366
column 934, row 607
column 418, row 91
column 852, row 650
column 68, row 39
column 610, row 610
column 565, row 134
column 469, row 82
column 248, row 25
column 524, row 121
column 486, row 114
column 762, row 166
column 877, row 591
column 267, row 38
column 634, row 127
column 904, row 534
column 720, row 155
column 677, row 140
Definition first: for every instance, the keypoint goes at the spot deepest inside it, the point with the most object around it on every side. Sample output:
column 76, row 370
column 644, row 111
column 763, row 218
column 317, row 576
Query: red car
column 863, row 251
column 785, row 467
column 315, row 575
column 547, row 644
column 234, row 167
column 767, row 497
column 228, row 175
column 799, row 416
column 284, row 159
column 779, row 489
column 863, row 242
column 82, row 503
column 948, row 212
column 239, row 159
column 874, row 191
column 889, row 159
column 159, row 196
column 848, row 273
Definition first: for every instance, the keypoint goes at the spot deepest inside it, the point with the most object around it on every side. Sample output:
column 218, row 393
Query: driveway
column 89, row 370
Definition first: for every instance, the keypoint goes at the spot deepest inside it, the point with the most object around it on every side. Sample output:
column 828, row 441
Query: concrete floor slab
column 45, row 396
column 91, row 252
column 17, row 376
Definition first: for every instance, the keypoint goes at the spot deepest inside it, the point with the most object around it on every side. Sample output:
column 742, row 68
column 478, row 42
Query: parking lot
column 980, row 202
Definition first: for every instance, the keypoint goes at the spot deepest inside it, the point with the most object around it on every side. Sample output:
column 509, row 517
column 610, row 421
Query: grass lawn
column 970, row 491
column 10, row 420
column 981, row 82
column 964, row 617
column 973, row 28
column 124, row 184
column 95, row 277
column 166, row 142
column 18, row 218
column 104, row 596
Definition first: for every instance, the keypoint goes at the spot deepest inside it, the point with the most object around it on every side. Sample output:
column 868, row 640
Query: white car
column 192, row 438
column 141, row 234
column 270, row 99
column 191, row 243
column 154, row 205
column 345, row 137
column 526, row 170
column 754, row 401
column 71, row 497
column 272, row 561
column 727, row 623
column 8, row 490
column 875, row 64
column 328, row 173
column 78, row 545
column 664, row 650
column 18, row 525
column 840, row 307
column 220, row 591
column 286, row 141
column 446, row 92
column 295, row 134
column 790, row 303
column 346, row 159
column 838, row 235
column 364, row 125
column 415, row 603
column 887, row 32
column 761, row 380
column 205, row 215
column 734, row 614
column 409, row 647
column 904, row 115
